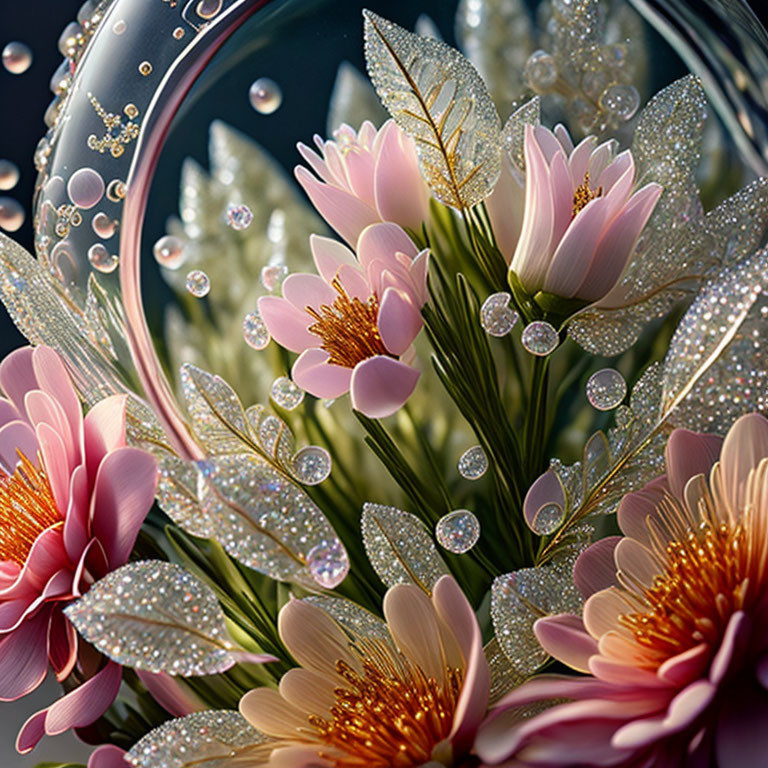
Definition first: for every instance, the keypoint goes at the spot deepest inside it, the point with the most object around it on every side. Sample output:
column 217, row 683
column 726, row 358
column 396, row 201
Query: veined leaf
column 436, row 96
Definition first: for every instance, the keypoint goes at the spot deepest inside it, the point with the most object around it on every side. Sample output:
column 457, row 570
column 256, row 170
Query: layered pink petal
column 547, row 490
column 24, row 657
column 689, row 454
column 104, row 430
column 595, row 568
column 505, row 206
column 380, row 386
column 171, row 693
column 17, row 376
column 744, row 446
column 399, row 321
column 380, row 242
column 304, row 290
column 286, row 324
column 62, row 644
column 329, row 255
column 314, row 374
column 15, row 437
column 565, row 638
column 108, row 756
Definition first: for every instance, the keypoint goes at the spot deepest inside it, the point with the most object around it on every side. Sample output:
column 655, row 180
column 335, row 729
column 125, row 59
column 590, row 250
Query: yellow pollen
column 583, row 195
column 27, row 508
column 348, row 328
column 390, row 716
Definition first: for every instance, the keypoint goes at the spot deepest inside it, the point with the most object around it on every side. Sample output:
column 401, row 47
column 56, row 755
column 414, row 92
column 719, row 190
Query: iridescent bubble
column 473, row 463
column 11, row 214
column 9, row 175
column 458, row 531
column 328, row 563
column 104, row 226
column 17, row 58
column 286, row 394
column 101, row 259
column 548, row 519
column 239, row 217
column 207, row 9
column 198, row 283
column 606, row 389
column 540, row 338
column 541, row 71
column 622, row 100
column 311, row 465
column 273, row 275
column 496, row 316
column 255, row 331
column 265, row 96
column 169, row 252
column 85, row 188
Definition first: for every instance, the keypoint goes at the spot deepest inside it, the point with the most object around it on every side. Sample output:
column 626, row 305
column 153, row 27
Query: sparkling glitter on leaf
column 473, row 463
column 400, row 548
column 211, row 739
column 355, row 621
column 311, row 465
column 513, row 135
column 496, row 316
column 504, row 677
column 286, row 394
column 438, row 98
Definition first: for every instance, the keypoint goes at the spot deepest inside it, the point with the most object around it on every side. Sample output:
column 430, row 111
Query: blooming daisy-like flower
column 355, row 322
column 674, row 633
column 409, row 698
column 365, row 177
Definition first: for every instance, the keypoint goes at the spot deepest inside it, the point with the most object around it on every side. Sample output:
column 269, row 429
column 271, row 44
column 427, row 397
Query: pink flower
column 355, row 323
column 72, row 499
column 405, row 697
column 365, row 178
column 674, row 633
column 581, row 218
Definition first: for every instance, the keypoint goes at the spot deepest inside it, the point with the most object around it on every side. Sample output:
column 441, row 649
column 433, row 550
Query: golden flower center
column 27, row 508
column 391, row 716
column 583, row 195
column 348, row 328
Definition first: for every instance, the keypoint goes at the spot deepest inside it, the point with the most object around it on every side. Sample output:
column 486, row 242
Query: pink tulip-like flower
column 365, row 178
column 355, row 323
column 674, row 633
column 411, row 697
column 581, row 218
column 72, row 499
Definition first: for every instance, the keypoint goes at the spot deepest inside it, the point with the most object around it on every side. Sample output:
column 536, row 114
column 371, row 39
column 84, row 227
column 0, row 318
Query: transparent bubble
column 328, row 563
column 548, row 519
column 104, row 226
column 11, row 214
column 265, row 96
column 9, row 175
column 541, row 71
column 606, row 389
column 198, row 283
column 473, row 463
column 169, row 252
column 286, row 394
column 101, row 259
column 17, row 58
column 311, row 465
column 239, row 217
column 496, row 316
column 255, row 331
column 621, row 100
column 85, row 188
column 458, row 531
column 273, row 275
column 119, row 27
column 540, row 338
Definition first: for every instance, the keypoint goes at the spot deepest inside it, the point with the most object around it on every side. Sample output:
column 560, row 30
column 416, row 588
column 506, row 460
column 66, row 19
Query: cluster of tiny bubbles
column 11, row 214
column 547, row 519
column 9, row 175
column 458, row 531
column 606, row 389
column 169, row 252
column 473, row 463
column 255, row 331
column 239, row 217
column 265, row 96
column 496, row 316
column 541, row 71
column 85, row 188
column 104, row 226
column 311, row 465
column 17, row 58
column 540, row 338
column 328, row 563
column 198, row 283
column 272, row 276
column 286, row 394
column 101, row 259
column 621, row 100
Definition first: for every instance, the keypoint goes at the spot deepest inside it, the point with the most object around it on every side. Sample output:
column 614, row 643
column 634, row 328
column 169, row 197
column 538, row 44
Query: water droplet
column 540, row 338
column 606, row 389
column 286, row 394
column 265, row 96
column 255, row 331
column 169, row 252
column 273, row 275
column 9, row 175
column 198, row 283
column 311, row 465
column 17, row 58
column 458, row 531
column 11, row 214
column 473, row 463
column 622, row 100
column 540, row 71
column 328, row 563
column 116, row 190
column 119, row 27
column 207, row 9
column 496, row 316
column 101, row 259
column 85, row 188
column 103, row 225
column 547, row 520
column 239, row 217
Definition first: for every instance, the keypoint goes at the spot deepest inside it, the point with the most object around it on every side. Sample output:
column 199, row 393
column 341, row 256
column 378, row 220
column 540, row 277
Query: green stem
column 536, row 418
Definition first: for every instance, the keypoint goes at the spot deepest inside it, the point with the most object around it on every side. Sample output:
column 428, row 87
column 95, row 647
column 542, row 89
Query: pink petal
column 123, row 494
column 360, row 169
column 24, row 657
column 76, row 522
column 315, row 375
column 549, row 145
column 31, row 732
column 505, row 207
column 564, row 138
column 382, row 241
column 17, row 376
column 305, row 290
column 745, row 445
column 610, row 175
column 45, row 558
column 733, row 646
column 565, row 638
column 686, row 667
column 55, row 463
column 380, row 386
column 62, row 644
column 17, row 436
column 639, row 508
column 602, row 158
column 286, row 324
column 595, row 567
column 11, row 611
column 579, row 159
column 108, row 756
column 562, row 196
column 104, row 430
column 399, row 321
column 636, row 564
column 546, row 490
column 354, row 283
column 689, row 454
column 8, row 412
column 171, row 693
column 316, row 163
column 43, row 409
column 418, row 272
column 329, row 255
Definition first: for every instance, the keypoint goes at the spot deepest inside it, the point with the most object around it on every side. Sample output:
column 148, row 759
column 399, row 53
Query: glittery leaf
column 513, row 136
column 353, row 100
column 211, row 739
column 355, row 621
column 438, row 98
column 155, row 616
column 400, row 548
column 504, row 677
